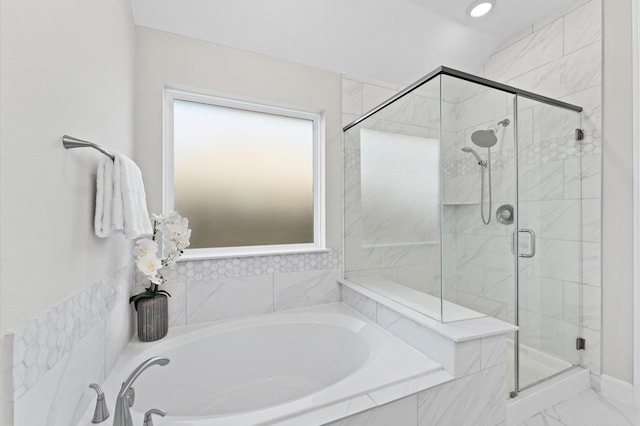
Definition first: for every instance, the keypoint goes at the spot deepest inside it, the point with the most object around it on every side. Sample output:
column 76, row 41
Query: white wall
column 66, row 68
column 617, row 195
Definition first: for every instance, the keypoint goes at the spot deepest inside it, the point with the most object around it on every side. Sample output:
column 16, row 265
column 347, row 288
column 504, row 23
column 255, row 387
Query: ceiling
column 393, row 41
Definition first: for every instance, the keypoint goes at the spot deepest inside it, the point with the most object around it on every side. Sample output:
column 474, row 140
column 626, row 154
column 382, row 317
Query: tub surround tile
column 478, row 399
column 61, row 396
column 212, row 300
column 395, row 391
column 435, row 346
column 401, row 412
column 120, row 321
column 326, row 414
column 457, row 331
column 177, row 302
column 307, row 288
column 467, row 357
column 479, row 390
column 457, row 358
column 43, row 342
column 197, row 270
column 358, row 302
column 493, row 351
column 216, row 289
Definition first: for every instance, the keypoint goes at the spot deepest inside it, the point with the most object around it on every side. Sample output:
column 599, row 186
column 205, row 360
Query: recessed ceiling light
column 480, row 8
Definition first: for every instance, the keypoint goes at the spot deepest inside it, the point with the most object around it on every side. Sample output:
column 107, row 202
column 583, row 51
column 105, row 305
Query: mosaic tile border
column 551, row 150
column 251, row 266
column 42, row 342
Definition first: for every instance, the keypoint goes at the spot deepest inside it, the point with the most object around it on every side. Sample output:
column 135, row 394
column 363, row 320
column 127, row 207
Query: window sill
column 222, row 253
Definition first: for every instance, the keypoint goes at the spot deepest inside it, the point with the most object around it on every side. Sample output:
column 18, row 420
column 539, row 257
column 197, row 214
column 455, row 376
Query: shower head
column 487, row 138
column 475, row 154
column 484, row 138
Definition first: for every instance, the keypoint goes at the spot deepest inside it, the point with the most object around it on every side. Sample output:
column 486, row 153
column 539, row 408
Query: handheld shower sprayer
column 480, row 161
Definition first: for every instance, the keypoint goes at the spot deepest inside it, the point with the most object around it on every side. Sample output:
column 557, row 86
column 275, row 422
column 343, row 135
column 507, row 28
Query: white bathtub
column 304, row 366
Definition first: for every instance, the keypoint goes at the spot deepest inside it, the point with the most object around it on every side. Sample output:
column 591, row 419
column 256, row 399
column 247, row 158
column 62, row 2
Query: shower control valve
column 504, row 214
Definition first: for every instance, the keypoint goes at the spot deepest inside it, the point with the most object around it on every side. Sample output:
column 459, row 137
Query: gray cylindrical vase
column 153, row 318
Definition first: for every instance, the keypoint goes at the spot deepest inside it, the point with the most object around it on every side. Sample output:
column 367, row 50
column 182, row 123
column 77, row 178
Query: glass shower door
column 548, row 240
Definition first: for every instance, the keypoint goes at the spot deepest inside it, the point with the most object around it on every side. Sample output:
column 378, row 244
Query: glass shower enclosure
column 462, row 198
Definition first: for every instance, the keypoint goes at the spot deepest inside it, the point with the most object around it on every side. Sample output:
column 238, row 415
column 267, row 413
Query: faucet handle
column 101, row 412
column 130, row 396
column 148, row 421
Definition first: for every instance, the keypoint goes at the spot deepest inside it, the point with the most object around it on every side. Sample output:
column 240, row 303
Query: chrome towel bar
column 70, row 142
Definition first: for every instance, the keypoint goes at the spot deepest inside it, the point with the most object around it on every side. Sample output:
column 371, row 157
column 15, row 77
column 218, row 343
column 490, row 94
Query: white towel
column 126, row 210
column 104, row 198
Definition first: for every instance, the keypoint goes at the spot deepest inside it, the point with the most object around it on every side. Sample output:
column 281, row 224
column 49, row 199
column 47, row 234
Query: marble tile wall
column 217, row 289
column 478, row 395
column 55, row 356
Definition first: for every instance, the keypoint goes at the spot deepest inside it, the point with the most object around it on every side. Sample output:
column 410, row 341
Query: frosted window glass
column 243, row 178
column 400, row 181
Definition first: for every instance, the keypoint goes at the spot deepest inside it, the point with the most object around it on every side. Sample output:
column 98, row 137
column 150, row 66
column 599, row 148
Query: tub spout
column 126, row 395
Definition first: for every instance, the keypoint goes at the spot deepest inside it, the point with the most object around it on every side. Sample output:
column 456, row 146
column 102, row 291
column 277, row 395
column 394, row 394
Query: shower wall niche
column 426, row 174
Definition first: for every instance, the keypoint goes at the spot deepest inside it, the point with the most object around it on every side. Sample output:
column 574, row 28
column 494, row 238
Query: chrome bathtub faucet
column 126, row 396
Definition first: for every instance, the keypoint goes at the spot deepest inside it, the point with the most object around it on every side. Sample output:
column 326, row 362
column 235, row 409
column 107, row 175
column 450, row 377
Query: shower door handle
column 532, row 252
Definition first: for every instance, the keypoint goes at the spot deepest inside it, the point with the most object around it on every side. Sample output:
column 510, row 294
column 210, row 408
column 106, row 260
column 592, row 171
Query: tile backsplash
column 216, row 289
column 55, row 356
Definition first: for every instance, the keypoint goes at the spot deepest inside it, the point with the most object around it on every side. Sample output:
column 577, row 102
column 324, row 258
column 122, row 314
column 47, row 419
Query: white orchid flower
column 144, row 247
column 149, row 264
column 175, row 238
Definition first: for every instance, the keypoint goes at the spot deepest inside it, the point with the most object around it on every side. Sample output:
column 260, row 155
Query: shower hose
column 488, row 167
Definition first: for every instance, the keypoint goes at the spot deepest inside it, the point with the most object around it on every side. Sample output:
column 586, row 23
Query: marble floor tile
column 586, row 409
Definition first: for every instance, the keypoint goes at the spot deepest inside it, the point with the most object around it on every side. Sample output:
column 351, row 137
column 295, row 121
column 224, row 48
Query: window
column 248, row 176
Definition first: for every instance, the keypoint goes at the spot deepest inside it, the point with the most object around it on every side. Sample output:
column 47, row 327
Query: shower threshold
column 558, row 388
